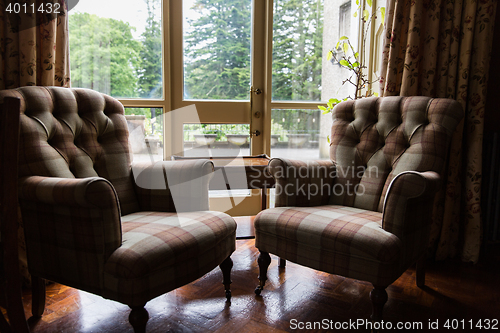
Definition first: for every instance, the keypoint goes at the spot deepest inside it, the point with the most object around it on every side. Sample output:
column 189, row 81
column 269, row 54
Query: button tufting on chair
column 369, row 225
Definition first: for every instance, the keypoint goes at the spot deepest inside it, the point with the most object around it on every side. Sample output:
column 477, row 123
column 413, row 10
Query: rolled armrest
column 173, row 186
column 71, row 226
column 70, row 192
column 408, row 209
column 302, row 183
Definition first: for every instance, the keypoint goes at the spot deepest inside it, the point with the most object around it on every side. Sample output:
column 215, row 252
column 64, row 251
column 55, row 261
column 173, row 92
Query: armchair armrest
column 408, row 208
column 71, row 226
column 302, row 183
column 173, row 186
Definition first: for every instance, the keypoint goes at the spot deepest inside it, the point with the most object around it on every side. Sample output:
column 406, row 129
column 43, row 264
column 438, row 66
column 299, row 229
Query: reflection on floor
column 293, row 295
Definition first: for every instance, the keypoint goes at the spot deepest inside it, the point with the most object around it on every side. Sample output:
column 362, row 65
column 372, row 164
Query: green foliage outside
column 103, row 54
column 150, row 68
column 217, row 51
column 297, row 50
column 218, row 55
column 106, row 57
column 220, row 129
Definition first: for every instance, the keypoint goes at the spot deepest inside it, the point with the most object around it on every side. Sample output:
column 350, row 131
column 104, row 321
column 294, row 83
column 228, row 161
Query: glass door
column 211, row 78
column 261, row 67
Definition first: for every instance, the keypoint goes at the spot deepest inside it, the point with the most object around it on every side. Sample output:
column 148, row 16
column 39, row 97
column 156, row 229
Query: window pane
column 117, row 52
column 145, row 127
column 217, row 49
column 303, row 34
column 341, row 23
column 298, row 134
column 297, row 49
column 204, row 140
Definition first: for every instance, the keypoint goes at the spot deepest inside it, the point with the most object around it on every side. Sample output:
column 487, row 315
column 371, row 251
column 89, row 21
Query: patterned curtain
column 441, row 48
column 34, row 48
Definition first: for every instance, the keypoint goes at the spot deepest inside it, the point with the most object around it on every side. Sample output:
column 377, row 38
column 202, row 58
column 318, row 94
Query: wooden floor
column 292, row 296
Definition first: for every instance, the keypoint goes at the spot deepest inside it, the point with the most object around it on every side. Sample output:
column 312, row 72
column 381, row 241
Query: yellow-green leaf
column 366, row 15
column 356, row 55
column 369, row 2
column 344, row 62
column 329, row 56
column 355, row 14
column 321, row 107
column 356, row 64
column 357, row 2
column 382, row 11
column 343, row 38
column 345, row 48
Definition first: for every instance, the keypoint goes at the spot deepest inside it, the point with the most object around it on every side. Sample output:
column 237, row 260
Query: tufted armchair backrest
column 74, row 133
column 375, row 139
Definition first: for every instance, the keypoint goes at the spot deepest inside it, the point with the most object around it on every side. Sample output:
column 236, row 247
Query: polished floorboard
column 293, row 296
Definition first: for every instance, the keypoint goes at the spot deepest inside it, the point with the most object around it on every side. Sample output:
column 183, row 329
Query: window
column 218, row 77
column 117, row 49
column 257, row 66
column 345, row 19
column 145, row 126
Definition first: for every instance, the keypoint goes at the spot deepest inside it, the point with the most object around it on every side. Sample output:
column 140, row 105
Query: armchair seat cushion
column 153, row 259
column 334, row 239
column 149, row 245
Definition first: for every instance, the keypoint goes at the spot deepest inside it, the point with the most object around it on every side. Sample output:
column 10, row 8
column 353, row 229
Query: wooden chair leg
column 37, row 296
column 15, row 312
column 379, row 297
column 4, row 325
column 264, row 261
column 226, row 267
column 15, row 308
column 138, row 318
column 282, row 263
column 420, row 271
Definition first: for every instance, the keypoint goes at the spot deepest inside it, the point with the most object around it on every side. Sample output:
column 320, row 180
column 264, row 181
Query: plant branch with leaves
column 345, row 55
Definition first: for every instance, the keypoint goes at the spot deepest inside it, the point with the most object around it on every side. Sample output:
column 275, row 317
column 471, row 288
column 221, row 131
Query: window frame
column 260, row 116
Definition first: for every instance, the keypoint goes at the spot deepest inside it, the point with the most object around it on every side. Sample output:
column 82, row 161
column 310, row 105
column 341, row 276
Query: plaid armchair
column 95, row 221
column 365, row 214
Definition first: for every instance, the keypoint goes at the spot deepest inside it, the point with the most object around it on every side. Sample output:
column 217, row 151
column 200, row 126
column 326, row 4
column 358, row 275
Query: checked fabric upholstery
column 95, row 221
column 366, row 213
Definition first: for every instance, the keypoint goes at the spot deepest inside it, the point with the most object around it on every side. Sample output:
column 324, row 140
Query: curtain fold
column 34, row 47
column 442, row 48
column 34, row 50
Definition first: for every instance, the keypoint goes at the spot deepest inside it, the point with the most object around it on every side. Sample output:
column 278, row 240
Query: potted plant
column 298, row 140
column 235, row 134
column 237, row 139
column 207, row 137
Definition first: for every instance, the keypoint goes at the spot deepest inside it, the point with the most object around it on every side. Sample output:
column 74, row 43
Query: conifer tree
column 217, row 52
column 150, row 68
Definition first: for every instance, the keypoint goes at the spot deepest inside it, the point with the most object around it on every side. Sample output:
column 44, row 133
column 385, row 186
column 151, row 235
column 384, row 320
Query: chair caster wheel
column 258, row 290
column 228, row 295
